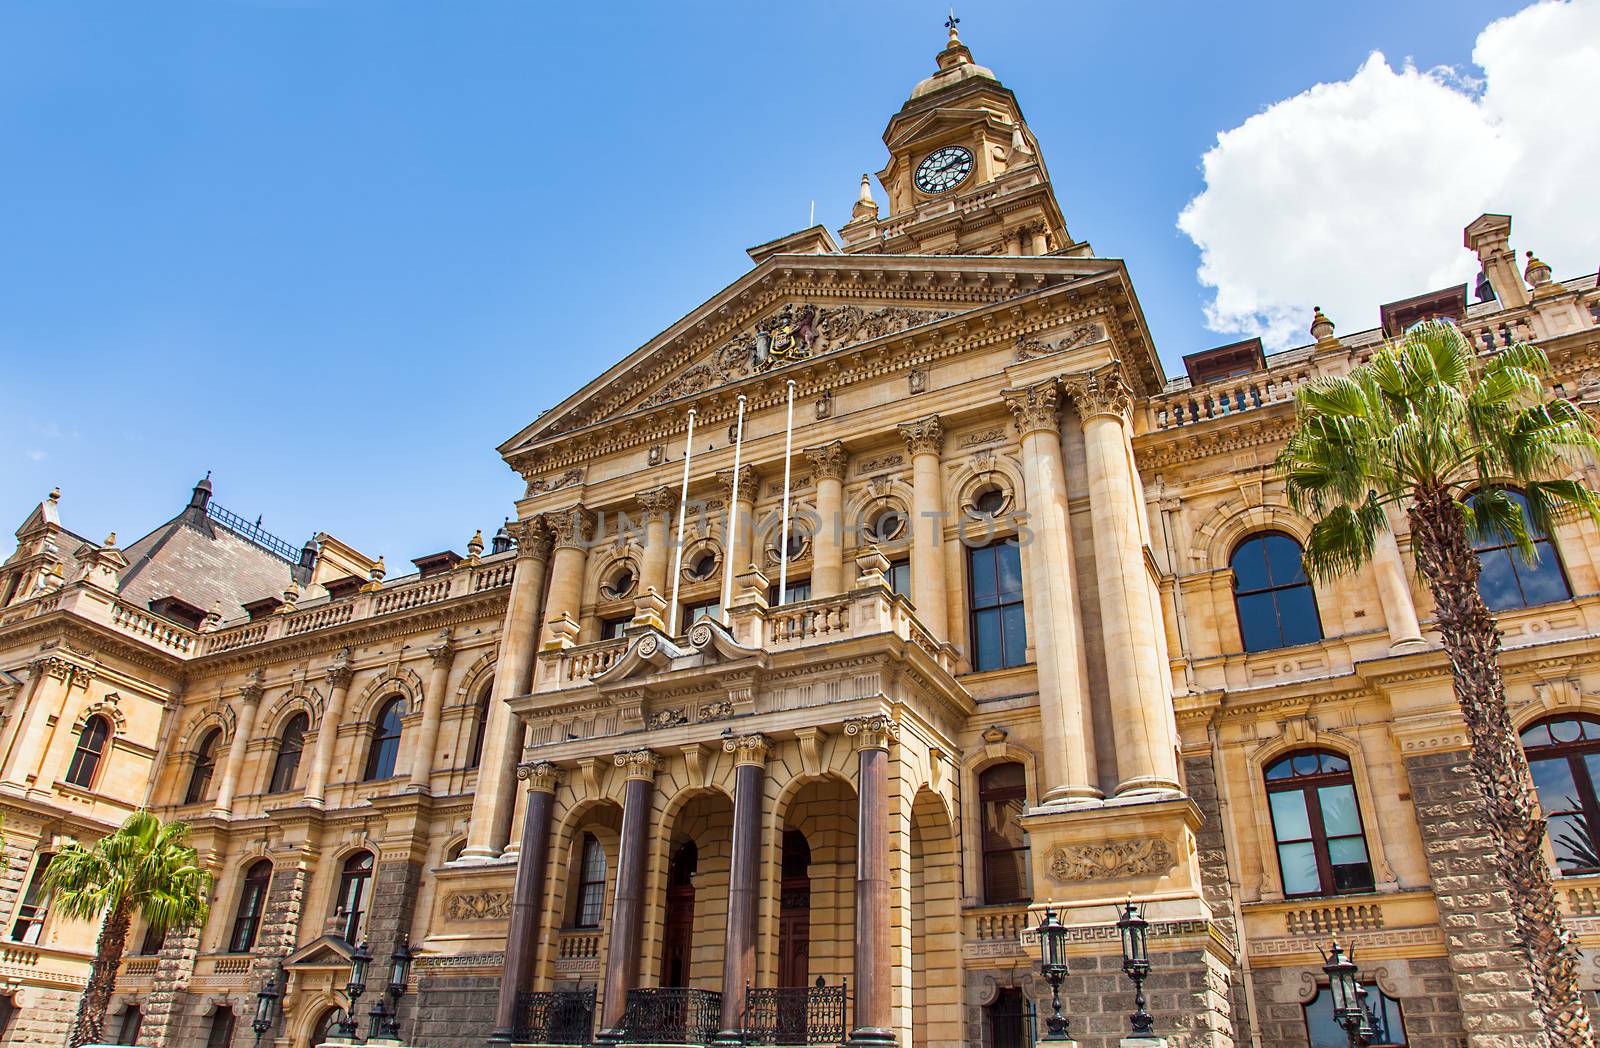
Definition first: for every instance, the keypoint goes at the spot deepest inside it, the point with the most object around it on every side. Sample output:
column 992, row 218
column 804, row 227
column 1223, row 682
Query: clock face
column 944, row 169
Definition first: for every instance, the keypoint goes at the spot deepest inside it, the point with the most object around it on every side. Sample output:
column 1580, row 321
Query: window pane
column 1281, row 770
column 985, row 589
column 1542, row 583
column 1008, row 558
column 1497, row 583
column 986, row 630
column 1258, row 623
column 1000, row 826
column 1283, row 560
column 1299, row 862
column 1289, row 819
column 900, row 577
column 1351, row 870
column 1297, row 614
column 1016, row 635
column 1553, row 780
column 1250, row 566
column 1572, row 842
column 1339, row 815
column 1005, row 876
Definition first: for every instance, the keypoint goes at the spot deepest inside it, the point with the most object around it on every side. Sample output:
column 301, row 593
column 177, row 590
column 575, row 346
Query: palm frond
column 1343, row 540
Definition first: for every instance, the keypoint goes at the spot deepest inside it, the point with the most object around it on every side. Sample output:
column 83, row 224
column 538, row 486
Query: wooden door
column 678, row 940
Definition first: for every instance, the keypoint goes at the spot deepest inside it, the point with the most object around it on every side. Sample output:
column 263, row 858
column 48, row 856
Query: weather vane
column 951, row 22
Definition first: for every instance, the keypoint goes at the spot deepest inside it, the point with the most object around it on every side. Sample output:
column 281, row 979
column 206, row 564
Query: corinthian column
column 744, row 882
column 244, row 723
column 658, row 504
column 627, row 905
column 513, row 675
column 338, row 680
column 527, row 895
column 1053, row 599
column 827, row 545
column 1141, row 703
column 740, row 552
column 874, row 1022
column 925, row 441
column 572, row 529
column 442, row 655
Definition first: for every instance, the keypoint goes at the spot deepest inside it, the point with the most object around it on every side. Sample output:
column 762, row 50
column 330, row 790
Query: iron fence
column 671, row 1015
column 818, row 1014
column 554, row 1017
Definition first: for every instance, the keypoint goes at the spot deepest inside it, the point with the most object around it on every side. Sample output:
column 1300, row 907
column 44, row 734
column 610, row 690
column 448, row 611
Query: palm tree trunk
column 1472, row 641
column 88, row 1027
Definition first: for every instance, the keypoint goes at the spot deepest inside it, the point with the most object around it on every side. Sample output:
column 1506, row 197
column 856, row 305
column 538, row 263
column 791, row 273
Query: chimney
column 1490, row 237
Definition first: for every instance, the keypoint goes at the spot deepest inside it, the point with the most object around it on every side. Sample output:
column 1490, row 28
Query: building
column 1036, row 636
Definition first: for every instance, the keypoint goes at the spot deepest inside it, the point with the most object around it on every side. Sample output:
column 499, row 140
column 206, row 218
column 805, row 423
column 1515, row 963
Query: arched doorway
column 678, row 939
column 323, row 1029
column 794, row 913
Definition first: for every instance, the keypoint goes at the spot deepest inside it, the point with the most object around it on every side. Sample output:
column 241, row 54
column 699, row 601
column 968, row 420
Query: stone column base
column 870, row 1037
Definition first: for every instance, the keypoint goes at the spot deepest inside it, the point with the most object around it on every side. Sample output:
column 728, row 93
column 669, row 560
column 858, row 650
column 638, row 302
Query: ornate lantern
column 1136, row 964
column 1053, row 962
column 266, row 1008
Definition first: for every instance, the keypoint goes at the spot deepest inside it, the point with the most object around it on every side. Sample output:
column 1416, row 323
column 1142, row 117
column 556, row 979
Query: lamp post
column 1136, row 964
column 399, row 973
column 360, row 958
column 380, row 1020
column 1053, row 962
column 1349, row 1011
column 266, row 1009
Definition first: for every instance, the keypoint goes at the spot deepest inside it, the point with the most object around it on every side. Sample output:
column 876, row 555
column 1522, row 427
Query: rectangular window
column 1388, row 1028
column 708, row 609
column 128, row 1025
column 221, row 1033
column 799, row 590
column 611, row 629
column 900, row 577
column 999, row 630
column 34, row 907
column 591, row 884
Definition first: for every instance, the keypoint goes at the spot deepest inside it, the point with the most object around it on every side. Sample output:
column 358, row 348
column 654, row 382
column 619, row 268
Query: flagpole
column 728, row 541
column 783, row 545
column 683, row 507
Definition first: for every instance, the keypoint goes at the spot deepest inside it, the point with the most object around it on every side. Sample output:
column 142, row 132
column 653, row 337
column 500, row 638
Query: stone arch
column 985, row 466
column 215, row 716
column 1554, row 699
column 308, row 1013
column 1234, row 520
column 935, row 923
column 862, row 503
column 403, row 682
column 229, row 886
column 272, row 722
column 478, row 674
column 701, row 816
column 106, row 707
column 822, row 806
column 602, row 564
column 583, row 960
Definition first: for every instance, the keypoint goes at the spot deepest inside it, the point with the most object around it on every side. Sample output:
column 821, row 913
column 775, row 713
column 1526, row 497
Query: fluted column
column 338, row 681
column 244, row 722
column 627, row 906
column 495, row 798
column 874, row 1022
column 658, row 504
column 925, row 442
column 1140, row 698
column 1399, row 611
column 744, row 882
column 740, row 550
column 828, row 464
column 1052, row 599
column 572, row 530
column 441, row 654
column 527, row 895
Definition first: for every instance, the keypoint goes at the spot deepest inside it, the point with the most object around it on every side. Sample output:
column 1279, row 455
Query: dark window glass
column 128, row 1024
column 290, row 745
column 1564, row 756
column 221, row 1031
column 1317, row 825
column 999, row 631
column 86, row 756
column 205, row 766
column 480, row 725
column 1388, row 1025
column 710, row 609
column 900, row 577
column 351, row 901
column 591, row 884
column 1010, row 1019
column 252, row 901
column 613, row 629
column 34, row 907
column 1003, row 799
column 1275, row 603
column 799, row 590
column 150, row 945
column 1506, row 581
column 386, row 740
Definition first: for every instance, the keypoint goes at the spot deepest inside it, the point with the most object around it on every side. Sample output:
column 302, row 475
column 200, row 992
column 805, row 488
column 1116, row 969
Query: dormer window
column 179, row 611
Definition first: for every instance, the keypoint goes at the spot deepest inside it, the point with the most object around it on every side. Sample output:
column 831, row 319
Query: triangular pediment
column 937, row 121
column 323, row 952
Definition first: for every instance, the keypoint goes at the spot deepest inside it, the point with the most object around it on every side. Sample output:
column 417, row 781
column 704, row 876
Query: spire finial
column 950, row 24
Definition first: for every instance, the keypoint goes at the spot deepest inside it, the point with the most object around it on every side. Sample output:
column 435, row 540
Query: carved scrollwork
column 925, row 436
column 877, row 732
column 572, row 527
column 1035, row 407
column 541, row 776
column 638, row 764
column 543, row 485
column 747, row 749
column 533, row 538
column 1100, row 861
column 1030, row 347
column 1102, row 392
column 484, row 905
column 830, row 461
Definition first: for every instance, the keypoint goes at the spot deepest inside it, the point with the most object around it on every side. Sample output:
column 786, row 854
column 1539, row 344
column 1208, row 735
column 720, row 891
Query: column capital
column 338, row 674
column 1035, row 407
column 829, row 461
column 443, row 649
column 541, row 776
column 925, row 436
column 639, row 764
column 748, row 749
column 53, row 665
column 657, row 503
column 749, row 483
column 571, row 528
column 252, row 689
column 532, row 537
column 1101, row 392
column 877, row 732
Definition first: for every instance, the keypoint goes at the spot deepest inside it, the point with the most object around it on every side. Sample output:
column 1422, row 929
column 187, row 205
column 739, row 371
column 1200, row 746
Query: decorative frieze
column 925, row 436
column 1146, row 857
column 1036, row 407
column 487, row 905
column 544, row 485
column 877, row 732
column 1030, row 347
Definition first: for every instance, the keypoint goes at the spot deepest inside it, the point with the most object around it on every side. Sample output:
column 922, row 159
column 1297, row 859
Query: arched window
column 350, row 903
column 591, row 884
column 86, row 757
column 1275, row 604
column 1317, row 825
column 386, row 740
column 291, row 744
column 205, row 766
column 1002, row 798
column 322, row 1032
column 252, row 901
column 480, row 725
column 1564, row 756
column 1506, row 581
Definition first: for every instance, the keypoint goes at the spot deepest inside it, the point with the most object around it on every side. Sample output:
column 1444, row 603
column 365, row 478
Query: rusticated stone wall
column 167, row 1007
column 455, row 1009
column 1423, row 986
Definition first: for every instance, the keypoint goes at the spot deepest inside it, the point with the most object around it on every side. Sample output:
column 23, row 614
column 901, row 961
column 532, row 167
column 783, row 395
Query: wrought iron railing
column 253, row 532
column 818, row 1014
column 554, row 1017
column 671, row 1015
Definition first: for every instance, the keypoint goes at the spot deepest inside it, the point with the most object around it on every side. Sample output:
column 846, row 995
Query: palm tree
column 145, row 867
column 1428, row 426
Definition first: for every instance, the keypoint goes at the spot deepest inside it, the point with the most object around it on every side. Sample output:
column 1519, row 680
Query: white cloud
column 1355, row 193
column 35, row 455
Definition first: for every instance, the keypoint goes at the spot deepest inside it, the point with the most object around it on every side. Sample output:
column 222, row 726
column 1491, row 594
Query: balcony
column 554, row 1017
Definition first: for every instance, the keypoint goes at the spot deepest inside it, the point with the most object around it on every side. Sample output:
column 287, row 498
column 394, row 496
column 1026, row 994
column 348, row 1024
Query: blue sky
column 337, row 252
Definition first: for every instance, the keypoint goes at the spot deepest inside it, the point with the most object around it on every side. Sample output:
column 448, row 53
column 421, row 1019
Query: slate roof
column 202, row 562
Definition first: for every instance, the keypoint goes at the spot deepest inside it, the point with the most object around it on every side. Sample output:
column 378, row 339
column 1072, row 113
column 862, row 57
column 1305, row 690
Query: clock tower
column 965, row 175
